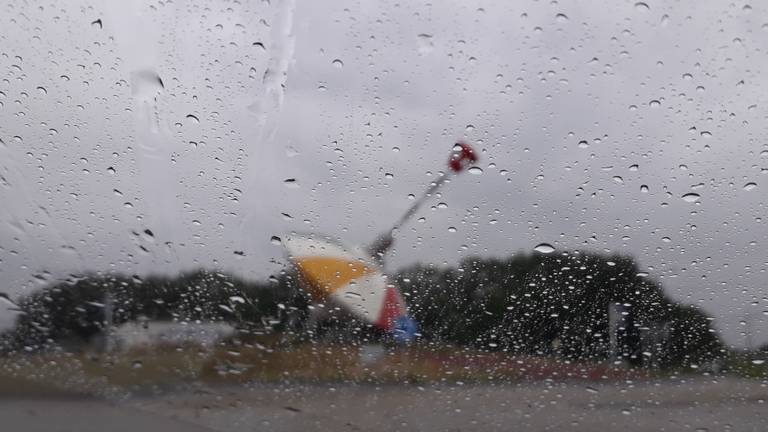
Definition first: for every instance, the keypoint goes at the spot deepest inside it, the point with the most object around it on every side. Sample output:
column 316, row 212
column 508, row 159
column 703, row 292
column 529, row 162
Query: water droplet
column 644, row 188
column 137, row 364
column 544, row 248
column 193, row 118
column 425, row 43
column 687, row 76
column 291, row 152
column 396, row 149
column 338, row 63
column 706, row 134
column 442, row 205
column 654, row 103
column 275, row 240
column 469, row 128
column 5, row 298
column 758, row 361
column 583, row 144
column 291, row 183
column 97, row 23
column 618, row 179
column 452, row 229
column 42, row 90
column 749, row 186
column 146, row 84
column 475, row 170
column 642, row 6
column 666, row 239
column 691, row 197
column 561, row 18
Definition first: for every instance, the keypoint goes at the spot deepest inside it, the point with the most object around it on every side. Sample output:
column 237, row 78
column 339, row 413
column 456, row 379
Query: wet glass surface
column 367, row 215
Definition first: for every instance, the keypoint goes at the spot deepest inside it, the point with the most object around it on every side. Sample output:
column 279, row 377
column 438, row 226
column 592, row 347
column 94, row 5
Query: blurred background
column 155, row 154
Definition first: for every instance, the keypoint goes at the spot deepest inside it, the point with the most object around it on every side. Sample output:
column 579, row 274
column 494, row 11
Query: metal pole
column 108, row 321
column 462, row 156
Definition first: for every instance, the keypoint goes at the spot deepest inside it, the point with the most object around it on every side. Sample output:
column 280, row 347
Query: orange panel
column 325, row 275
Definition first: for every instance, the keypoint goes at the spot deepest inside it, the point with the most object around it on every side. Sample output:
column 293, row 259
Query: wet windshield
column 362, row 215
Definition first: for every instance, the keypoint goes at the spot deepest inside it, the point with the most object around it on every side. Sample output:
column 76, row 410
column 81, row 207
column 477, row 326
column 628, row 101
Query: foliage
column 75, row 310
column 556, row 305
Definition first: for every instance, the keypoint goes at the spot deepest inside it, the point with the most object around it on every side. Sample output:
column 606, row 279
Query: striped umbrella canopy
column 346, row 277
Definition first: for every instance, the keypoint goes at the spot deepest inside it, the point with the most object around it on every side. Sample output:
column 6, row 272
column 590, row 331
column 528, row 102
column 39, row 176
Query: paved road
column 698, row 405
column 84, row 415
column 692, row 405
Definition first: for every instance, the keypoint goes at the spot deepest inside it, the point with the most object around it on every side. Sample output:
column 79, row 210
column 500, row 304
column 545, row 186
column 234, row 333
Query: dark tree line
column 559, row 305
column 526, row 304
column 75, row 311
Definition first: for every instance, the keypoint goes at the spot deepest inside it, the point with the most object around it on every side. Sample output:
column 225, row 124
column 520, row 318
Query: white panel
column 307, row 245
column 364, row 297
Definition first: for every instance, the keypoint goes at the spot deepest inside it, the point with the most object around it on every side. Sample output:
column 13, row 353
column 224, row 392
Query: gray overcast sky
column 339, row 94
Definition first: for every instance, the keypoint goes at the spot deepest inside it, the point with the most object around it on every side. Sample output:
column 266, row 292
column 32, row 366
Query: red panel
column 393, row 308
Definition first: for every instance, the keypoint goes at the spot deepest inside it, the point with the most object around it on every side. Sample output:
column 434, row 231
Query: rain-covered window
column 367, row 215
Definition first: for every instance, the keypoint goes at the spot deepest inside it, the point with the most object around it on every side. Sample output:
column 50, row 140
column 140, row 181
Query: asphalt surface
column 700, row 404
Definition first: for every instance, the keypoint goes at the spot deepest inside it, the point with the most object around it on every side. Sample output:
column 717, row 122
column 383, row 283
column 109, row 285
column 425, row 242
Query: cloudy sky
column 593, row 120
